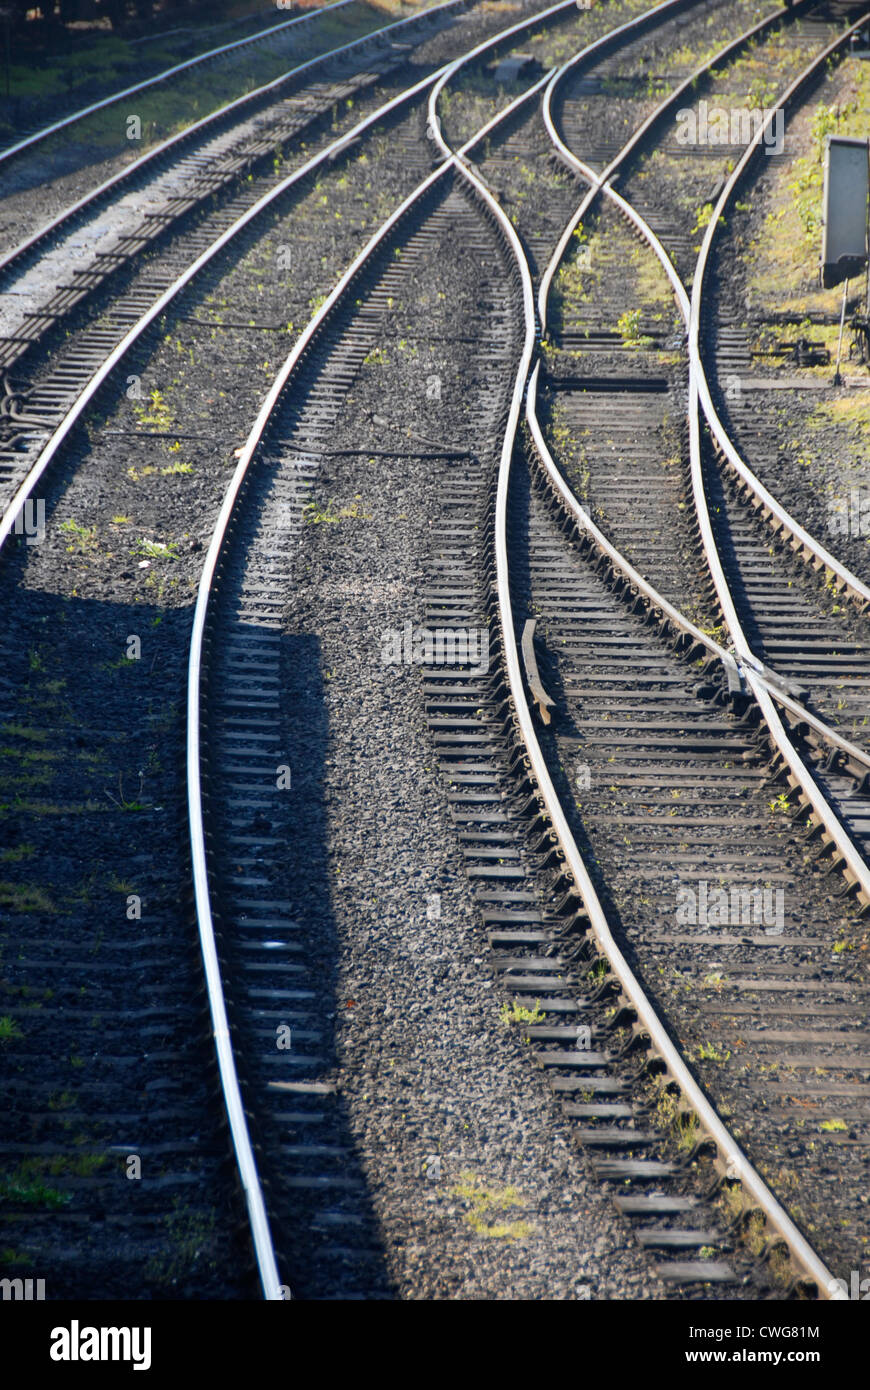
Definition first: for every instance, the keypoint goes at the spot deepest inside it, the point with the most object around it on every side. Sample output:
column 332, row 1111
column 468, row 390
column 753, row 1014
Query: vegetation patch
column 25, row 897
column 486, row 1204
column 785, row 254
column 316, row 513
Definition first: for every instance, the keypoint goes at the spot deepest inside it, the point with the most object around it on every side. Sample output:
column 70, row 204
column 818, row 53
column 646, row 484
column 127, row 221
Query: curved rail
column 194, row 789
column 602, row 180
column 729, row 1155
column 229, row 1076
column 734, row 667
column 46, row 456
column 153, row 155
column 804, row 542
column 240, row 1135
column 762, row 683
column 137, row 87
column 856, row 869
column 648, row 19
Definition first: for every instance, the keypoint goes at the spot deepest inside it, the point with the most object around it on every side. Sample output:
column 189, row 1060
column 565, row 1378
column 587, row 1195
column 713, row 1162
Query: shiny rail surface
column 39, row 135
column 152, row 156
column 238, row 1126
column 241, row 1138
column 730, row 1157
column 752, row 670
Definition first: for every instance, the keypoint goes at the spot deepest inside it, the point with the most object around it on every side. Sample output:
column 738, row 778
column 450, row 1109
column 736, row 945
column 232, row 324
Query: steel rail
column 137, row 87
column 733, row 665
column 598, row 181
column 855, row 867
column 240, row 1135
column 153, row 155
column 451, row 69
column 764, row 691
column 241, row 1138
column 47, row 454
column 729, row 1153
column 593, row 50
column 25, row 490
column 601, row 183
column 746, row 659
column 752, row 670
column 859, row 871
column 803, row 542
column 194, row 789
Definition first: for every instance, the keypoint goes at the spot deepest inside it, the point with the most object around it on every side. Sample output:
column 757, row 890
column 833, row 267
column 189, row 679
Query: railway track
column 640, row 720
column 793, row 618
column 219, row 170
column 47, row 409
column 29, row 140
column 195, row 1226
column 620, row 1137
column 579, row 982
column 267, row 909
column 468, row 723
column 788, row 619
column 244, row 623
